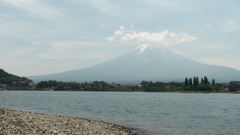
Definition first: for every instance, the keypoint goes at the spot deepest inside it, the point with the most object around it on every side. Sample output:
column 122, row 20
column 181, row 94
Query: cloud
column 34, row 7
column 164, row 37
column 102, row 5
column 13, row 30
column 51, row 56
column 208, row 25
column 214, row 47
column 227, row 62
column 70, row 50
column 166, row 4
column 230, row 26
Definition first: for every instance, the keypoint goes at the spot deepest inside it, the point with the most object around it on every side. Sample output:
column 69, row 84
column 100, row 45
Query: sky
column 39, row 37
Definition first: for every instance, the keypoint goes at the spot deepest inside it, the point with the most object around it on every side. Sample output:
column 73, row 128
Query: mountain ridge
column 146, row 62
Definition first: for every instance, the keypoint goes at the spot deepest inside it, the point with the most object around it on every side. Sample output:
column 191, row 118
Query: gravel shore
column 21, row 122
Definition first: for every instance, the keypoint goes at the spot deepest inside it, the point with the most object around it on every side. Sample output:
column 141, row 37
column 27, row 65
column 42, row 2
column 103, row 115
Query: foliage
column 203, row 86
column 92, row 86
column 234, row 82
column 160, row 86
column 7, row 78
column 55, row 85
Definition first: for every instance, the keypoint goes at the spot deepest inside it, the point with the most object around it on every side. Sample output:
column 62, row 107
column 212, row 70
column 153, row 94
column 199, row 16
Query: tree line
column 86, row 86
column 190, row 84
column 193, row 84
column 160, row 86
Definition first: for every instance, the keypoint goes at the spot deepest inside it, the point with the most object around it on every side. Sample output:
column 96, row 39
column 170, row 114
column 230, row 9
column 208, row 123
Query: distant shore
column 21, row 122
column 177, row 91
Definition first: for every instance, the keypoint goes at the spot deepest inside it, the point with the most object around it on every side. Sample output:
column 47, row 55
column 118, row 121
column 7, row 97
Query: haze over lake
column 153, row 113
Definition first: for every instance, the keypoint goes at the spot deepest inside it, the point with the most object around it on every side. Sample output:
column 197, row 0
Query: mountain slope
column 7, row 78
column 150, row 63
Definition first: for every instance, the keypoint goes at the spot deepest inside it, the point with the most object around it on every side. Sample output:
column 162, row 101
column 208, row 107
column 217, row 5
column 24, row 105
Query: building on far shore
column 234, row 86
column 3, row 85
column 26, row 83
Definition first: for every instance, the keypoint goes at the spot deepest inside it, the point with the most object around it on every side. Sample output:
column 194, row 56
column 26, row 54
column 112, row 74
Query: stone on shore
column 20, row 122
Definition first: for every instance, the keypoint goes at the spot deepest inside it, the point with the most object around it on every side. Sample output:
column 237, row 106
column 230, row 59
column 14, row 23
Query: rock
column 2, row 112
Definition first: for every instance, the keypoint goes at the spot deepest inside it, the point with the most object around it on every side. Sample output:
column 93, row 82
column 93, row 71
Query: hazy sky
column 50, row 36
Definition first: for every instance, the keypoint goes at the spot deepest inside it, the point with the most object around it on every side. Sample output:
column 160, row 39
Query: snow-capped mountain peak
column 142, row 48
column 152, row 52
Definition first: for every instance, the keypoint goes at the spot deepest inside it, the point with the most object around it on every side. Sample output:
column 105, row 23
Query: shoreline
column 23, row 122
column 211, row 92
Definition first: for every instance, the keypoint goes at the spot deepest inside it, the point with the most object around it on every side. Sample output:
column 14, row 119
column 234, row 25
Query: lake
column 154, row 113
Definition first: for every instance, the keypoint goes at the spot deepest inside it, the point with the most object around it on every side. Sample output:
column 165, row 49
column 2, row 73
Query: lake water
column 155, row 113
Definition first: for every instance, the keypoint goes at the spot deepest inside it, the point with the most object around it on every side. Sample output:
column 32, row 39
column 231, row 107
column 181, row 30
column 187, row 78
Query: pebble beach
column 21, row 122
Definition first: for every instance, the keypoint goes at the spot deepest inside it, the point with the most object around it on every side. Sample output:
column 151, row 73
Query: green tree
column 186, row 81
column 190, row 81
column 205, row 81
column 202, row 81
column 213, row 81
column 204, row 87
column 195, row 82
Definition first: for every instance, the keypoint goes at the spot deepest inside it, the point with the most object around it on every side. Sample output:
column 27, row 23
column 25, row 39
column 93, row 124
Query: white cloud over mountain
column 165, row 37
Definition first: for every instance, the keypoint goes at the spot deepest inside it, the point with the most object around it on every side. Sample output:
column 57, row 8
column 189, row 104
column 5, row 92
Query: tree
column 206, row 80
column 213, row 81
column 186, row 81
column 190, row 81
column 202, row 81
column 194, row 82
column 197, row 81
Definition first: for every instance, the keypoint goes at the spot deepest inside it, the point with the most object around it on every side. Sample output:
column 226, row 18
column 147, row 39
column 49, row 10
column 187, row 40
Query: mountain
column 146, row 62
column 7, row 78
